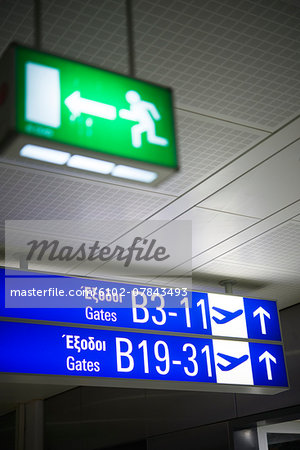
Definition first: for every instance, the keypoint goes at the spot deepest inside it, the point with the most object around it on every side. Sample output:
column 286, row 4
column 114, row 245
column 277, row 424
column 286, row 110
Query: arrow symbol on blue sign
column 233, row 362
column 227, row 315
column 78, row 105
column 262, row 313
column 266, row 356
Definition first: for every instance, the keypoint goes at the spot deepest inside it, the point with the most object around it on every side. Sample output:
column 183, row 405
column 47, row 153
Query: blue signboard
column 154, row 335
column 50, row 349
column 246, row 318
column 84, row 301
column 268, row 364
column 262, row 319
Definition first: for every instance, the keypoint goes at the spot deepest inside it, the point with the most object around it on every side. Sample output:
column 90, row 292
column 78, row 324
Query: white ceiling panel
column 267, row 283
column 248, row 235
column 266, row 267
column 146, row 235
column 103, row 231
column 238, row 60
column 34, row 195
column 205, row 146
column 277, row 249
column 91, row 31
column 16, row 22
column 212, row 227
column 255, row 156
column 185, row 282
column 275, row 183
column 209, row 229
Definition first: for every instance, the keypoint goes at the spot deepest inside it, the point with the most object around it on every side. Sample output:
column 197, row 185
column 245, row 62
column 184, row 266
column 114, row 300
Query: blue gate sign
column 268, row 364
column 245, row 318
column 77, row 300
column 262, row 319
column 198, row 363
column 257, row 364
column 30, row 295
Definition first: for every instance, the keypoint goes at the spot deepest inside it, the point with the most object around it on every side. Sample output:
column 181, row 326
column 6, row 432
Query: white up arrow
column 78, row 105
column 262, row 313
column 268, row 357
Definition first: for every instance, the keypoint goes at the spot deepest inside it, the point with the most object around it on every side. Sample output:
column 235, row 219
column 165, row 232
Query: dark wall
column 208, row 437
column 7, row 431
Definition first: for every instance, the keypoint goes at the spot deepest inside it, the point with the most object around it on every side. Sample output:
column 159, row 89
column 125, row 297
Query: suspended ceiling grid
column 234, row 68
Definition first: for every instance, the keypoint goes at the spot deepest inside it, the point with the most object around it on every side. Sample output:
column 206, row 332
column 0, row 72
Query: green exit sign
column 60, row 111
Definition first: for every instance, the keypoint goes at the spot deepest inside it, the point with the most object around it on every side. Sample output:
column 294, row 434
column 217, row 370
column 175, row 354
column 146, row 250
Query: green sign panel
column 87, row 107
column 63, row 112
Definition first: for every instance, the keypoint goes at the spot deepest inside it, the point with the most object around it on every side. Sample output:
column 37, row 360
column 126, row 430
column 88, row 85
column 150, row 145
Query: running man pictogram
column 145, row 113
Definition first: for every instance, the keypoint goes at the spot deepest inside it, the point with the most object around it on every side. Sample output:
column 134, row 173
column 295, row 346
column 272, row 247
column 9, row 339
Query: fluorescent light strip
column 90, row 164
column 45, row 154
column 132, row 173
column 86, row 163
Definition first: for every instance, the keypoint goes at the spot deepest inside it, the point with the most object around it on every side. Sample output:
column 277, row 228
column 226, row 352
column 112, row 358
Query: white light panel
column 44, row 154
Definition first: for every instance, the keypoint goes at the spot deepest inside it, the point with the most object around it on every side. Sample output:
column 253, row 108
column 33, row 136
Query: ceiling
column 234, row 69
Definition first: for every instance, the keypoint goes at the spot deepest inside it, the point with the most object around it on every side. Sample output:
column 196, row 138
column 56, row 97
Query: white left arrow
column 78, row 105
column 262, row 314
column 268, row 358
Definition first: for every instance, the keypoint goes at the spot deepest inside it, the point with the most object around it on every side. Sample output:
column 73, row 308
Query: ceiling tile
column 223, row 58
column 212, row 227
column 204, row 146
column 266, row 283
column 91, row 31
column 34, row 195
column 16, row 22
column 265, row 189
column 267, row 267
column 277, row 249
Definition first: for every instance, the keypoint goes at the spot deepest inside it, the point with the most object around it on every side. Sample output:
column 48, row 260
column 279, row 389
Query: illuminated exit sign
column 63, row 112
